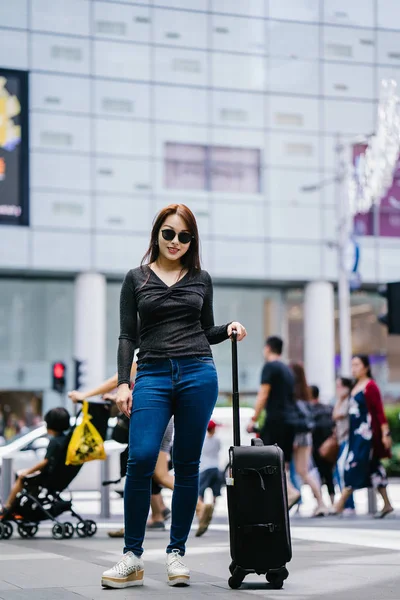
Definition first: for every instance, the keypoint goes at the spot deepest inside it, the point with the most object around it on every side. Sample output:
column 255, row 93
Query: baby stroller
column 40, row 499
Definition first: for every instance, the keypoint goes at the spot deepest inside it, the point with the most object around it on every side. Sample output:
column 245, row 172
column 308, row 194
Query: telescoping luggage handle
column 235, row 390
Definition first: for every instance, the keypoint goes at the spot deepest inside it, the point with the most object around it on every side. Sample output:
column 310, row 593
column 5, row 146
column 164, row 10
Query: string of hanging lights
column 368, row 183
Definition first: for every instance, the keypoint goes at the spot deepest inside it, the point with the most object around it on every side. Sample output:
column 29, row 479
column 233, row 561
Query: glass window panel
column 224, row 169
column 180, row 28
column 181, row 104
column 14, row 14
column 116, row 60
column 58, row 93
column 121, row 99
column 350, row 45
column 290, row 76
column 226, row 177
column 60, row 53
column 389, row 47
column 253, row 8
column 239, row 110
column 13, row 49
column 388, row 14
column 238, row 72
column 356, row 12
column 176, row 65
column 185, row 166
column 294, row 113
column 293, row 40
column 61, row 16
column 122, row 176
column 30, row 312
column 122, row 22
column 294, row 10
column 349, row 81
column 238, row 34
column 235, row 170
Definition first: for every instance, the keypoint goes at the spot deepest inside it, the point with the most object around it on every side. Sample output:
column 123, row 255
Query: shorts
column 280, row 433
column 167, row 439
column 303, row 440
column 210, row 478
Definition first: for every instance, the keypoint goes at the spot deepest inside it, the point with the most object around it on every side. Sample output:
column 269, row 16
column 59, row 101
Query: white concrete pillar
column 319, row 337
column 90, row 326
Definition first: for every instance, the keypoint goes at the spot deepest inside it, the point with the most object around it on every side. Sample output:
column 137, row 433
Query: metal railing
column 7, row 456
column 8, row 452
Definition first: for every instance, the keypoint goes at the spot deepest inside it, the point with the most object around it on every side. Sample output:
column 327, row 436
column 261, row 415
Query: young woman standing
column 369, row 438
column 175, row 376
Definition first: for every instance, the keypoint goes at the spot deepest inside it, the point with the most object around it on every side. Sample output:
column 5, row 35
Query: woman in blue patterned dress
column 369, row 438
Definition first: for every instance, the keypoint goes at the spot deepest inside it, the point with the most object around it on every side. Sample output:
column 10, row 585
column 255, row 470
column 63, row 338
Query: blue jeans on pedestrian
column 186, row 388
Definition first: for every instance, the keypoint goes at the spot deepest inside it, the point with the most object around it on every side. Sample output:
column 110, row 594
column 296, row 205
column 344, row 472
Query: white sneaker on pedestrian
column 177, row 571
column 128, row 571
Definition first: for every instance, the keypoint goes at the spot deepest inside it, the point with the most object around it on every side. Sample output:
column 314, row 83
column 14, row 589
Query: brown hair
column 301, row 389
column 190, row 260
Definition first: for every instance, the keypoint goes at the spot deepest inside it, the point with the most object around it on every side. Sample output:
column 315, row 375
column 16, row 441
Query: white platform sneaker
column 177, row 571
column 128, row 571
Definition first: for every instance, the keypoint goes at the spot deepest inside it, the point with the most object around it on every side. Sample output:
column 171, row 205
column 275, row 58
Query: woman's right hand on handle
column 124, row 399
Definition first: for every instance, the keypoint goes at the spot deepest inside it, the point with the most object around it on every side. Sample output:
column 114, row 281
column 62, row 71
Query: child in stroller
column 35, row 496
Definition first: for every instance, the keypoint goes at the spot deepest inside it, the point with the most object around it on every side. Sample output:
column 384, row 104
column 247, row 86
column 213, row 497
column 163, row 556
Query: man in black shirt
column 276, row 395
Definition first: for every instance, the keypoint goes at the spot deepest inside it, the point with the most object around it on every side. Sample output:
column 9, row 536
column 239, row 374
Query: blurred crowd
column 340, row 445
column 15, row 423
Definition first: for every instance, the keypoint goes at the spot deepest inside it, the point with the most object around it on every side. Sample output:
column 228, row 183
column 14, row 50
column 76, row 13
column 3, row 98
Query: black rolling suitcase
column 257, row 504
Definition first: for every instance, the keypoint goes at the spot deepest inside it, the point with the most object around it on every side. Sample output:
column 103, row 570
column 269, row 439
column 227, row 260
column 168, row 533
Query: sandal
column 383, row 513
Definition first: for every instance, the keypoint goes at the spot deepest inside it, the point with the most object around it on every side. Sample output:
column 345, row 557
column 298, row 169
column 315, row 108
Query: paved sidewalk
column 358, row 560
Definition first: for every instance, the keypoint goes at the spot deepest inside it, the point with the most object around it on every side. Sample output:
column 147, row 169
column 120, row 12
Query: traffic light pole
column 344, row 231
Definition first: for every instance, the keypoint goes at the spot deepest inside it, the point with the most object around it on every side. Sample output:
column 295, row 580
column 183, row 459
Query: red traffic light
column 58, row 370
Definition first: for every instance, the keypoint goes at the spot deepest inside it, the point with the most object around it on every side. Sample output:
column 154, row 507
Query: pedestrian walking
column 210, row 477
column 342, row 426
column 276, row 396
column 176, row 376
column 323, row 430
column 303, row 441
column 369, row 438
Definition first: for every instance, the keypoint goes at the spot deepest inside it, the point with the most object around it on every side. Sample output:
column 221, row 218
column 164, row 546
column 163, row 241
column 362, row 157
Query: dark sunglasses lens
column 184, row 237
column 168, row 234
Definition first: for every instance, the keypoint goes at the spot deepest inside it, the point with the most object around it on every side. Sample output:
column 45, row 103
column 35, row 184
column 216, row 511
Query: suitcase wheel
column 232, row 567
column 276, row 578
column 236, row 580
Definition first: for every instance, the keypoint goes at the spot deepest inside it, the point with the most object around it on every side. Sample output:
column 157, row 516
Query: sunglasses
column 169, row 234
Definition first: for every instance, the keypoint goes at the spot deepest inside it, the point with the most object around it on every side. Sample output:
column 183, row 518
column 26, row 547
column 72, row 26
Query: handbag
column 329, row 449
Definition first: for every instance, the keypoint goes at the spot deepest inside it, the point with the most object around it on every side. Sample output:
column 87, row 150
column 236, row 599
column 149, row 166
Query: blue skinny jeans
column 186, row 388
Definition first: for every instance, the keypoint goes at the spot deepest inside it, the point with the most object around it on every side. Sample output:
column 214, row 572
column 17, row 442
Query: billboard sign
column 14, row 148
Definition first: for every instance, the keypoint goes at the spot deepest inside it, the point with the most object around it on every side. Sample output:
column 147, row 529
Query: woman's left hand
column 241, row 331
column 387, row 442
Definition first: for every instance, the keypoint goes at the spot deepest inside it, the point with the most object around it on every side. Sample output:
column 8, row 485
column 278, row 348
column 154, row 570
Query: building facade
column 229, row 106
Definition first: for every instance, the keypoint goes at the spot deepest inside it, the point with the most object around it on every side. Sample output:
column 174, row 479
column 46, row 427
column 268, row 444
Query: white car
column 93, row 473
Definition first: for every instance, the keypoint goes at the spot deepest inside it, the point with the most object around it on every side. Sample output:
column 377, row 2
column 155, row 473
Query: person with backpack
column 324, row 426
column 303, row 441
column 276, row 397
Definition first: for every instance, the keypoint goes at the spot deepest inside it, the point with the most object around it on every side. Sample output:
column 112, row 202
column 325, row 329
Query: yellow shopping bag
column 86, row 443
